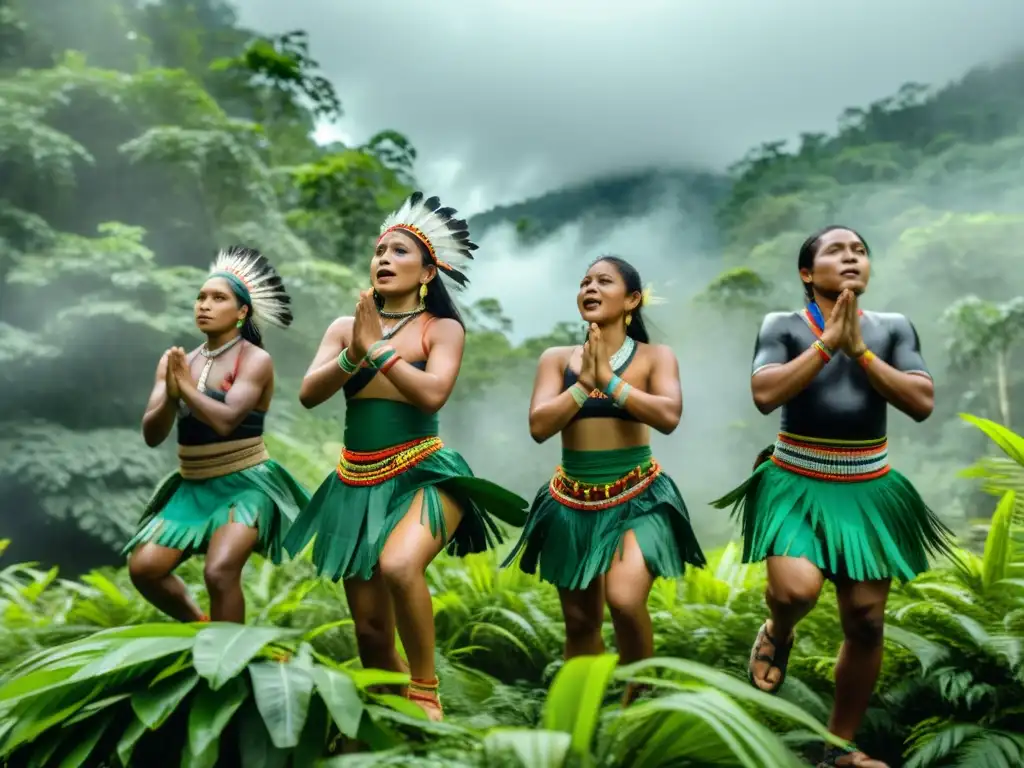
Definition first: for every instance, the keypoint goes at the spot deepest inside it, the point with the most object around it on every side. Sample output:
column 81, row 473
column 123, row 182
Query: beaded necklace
column 406, row 318
column 622, row 354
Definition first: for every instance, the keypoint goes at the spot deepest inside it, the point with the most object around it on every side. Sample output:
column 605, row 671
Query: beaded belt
column 839, row 461
column 376, row 467
column 205, row 462
column 577, row 494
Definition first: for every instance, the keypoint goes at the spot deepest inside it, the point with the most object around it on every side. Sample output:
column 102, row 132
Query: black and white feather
column 269, row 299
column 446, row 237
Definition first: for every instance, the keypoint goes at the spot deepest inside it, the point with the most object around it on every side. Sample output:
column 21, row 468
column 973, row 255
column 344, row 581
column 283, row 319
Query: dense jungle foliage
column 143, row 136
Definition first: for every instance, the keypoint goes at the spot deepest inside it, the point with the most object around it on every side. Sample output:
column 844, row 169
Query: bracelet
column 345, row 364
column 865, row 358
column 389, row 363
column 613, row 384
column 823, row 352
column 374, row 347
column 620, row 401
column 579, row 394
column 383, row 354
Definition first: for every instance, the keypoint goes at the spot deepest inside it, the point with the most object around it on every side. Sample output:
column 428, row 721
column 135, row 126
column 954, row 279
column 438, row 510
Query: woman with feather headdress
column 399, row 496
column 228, row 497
column 610, row 520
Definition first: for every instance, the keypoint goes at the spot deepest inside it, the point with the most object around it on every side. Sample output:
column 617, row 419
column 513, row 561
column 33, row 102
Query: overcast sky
column 508, row 98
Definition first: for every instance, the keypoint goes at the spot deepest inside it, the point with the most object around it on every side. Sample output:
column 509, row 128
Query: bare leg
column 583, row 611
column 226, row 555
column 794, row 585
column 403, row 563
column 862, row 613
column 627, row 587
column 151, row 569
column 369, row 602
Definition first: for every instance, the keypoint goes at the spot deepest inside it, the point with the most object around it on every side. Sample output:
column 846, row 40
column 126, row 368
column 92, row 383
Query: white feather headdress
column 257, row 282
column 446, row 238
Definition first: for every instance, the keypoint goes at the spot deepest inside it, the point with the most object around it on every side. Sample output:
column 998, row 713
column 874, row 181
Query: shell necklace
column 210, row 356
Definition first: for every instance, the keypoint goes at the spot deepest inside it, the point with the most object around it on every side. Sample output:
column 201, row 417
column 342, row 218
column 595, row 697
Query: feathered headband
column 445, row 237
column 256, row 282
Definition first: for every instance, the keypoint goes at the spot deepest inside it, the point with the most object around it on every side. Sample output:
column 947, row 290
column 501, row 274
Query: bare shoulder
column 555, row 356
column 657, row 354
column 445, row 328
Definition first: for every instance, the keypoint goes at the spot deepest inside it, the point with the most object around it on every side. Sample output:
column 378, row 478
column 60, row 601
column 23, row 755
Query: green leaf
column 154, row 705
column 223, row 650
column 79, row 755
column 126, row 744
column 576, row 696
column 255, row 747
column 341, row 696
column 211, row 711
column 282, row 692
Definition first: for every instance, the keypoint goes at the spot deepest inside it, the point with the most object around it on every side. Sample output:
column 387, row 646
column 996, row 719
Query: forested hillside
column 138, row 137
column 135, row 140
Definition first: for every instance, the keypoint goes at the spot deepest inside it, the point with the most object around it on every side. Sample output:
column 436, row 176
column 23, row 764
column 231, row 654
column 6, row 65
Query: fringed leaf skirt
column 358, row 506
column 578, row 521
column 187, row 508
column 840, row 506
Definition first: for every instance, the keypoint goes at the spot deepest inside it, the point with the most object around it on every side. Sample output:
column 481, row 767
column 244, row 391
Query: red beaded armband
column 390, row 362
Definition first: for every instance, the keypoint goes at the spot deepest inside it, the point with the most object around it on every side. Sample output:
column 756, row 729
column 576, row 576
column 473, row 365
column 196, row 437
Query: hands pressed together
column 596, row 367
column 366, row 330
column 178, row 374
column 842, row 330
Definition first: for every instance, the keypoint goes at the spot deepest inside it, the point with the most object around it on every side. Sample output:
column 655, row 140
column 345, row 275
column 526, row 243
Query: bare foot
column 768, row 662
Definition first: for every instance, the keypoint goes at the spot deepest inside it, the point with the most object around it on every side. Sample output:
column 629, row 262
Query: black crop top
column 840, row 403
column 361, row 378
column 192, row 431
column 602, row 407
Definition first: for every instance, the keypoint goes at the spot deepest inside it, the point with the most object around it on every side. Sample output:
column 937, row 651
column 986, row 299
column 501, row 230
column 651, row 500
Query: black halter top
column 602, row 406
column 192, row 431
column 358, row 381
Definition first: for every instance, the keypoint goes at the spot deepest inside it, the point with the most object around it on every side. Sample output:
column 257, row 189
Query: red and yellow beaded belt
column 844, row 461
column 376, row 467
column 577, row 494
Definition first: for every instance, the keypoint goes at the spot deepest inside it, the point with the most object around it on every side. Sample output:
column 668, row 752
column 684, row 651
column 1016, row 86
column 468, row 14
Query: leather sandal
column 424, row 694
column 778, row 659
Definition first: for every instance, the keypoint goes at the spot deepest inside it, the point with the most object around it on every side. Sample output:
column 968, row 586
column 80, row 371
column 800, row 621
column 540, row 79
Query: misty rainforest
column 137, row 141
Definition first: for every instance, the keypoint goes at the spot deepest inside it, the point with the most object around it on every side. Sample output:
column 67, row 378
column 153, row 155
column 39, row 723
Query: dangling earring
column 423, row 296
column 240, row 323
column 629, row 318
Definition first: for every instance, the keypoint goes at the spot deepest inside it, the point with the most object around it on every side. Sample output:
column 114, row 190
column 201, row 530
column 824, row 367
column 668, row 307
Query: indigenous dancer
column 228, row 497
column 610, row 521
column 823, row 502
column 398, row 495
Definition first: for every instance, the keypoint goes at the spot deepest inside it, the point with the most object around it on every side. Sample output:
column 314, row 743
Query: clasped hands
column 179, row 376
column 596, row 368
column 366, row 329
column 842, row 329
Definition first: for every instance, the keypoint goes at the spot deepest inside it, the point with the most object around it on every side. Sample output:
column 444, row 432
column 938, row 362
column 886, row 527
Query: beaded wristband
column 579, row 394
column 389, row 363
column 620, row 401
column 383, row 355
column 374, row 347
column 345, row 364
column 613, row 384
column 823, row 352
column 866, row 358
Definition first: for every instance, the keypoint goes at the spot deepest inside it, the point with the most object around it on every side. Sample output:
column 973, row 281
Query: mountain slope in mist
column 605, row 201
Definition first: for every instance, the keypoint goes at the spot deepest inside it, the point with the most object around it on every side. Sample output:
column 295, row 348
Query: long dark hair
column 637, row 329
column 438, row 301
column 809, row 249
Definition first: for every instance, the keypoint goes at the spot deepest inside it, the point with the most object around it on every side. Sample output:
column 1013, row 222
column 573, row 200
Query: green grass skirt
column 352, row 523
column 573, row 547
column 183, row 514
column 871, row 529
